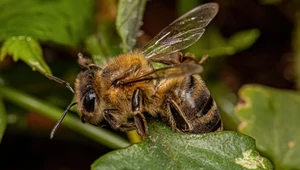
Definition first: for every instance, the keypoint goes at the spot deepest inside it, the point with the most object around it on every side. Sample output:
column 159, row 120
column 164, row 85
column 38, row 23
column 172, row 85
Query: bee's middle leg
column 139, row 118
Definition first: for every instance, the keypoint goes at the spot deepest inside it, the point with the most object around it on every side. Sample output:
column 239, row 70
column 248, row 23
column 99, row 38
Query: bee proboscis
column 123, row 90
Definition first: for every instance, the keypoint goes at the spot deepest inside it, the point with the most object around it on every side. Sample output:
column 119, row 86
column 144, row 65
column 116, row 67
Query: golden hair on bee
column 125, row 89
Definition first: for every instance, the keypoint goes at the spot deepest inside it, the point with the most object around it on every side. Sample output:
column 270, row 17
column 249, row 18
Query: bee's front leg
column 112, row 116
column 139, row 118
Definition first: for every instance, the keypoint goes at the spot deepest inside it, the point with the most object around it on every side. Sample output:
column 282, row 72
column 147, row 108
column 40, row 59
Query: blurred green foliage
column 26, row 49
column 105, row 43
column 214, row 44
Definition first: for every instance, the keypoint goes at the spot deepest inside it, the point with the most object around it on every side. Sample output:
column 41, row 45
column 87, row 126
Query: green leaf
column 271, row 116
column 65, row 22
column 26, row 49
column 128, row 22
column 3, row 119
column 165, row 149
column 24, row 23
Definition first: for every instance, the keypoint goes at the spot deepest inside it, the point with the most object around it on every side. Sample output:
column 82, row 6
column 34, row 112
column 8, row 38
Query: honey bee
column 125, row 89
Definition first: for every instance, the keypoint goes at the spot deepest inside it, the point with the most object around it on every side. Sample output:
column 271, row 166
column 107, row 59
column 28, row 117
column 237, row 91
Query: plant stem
column 100, row 135
column 133, row 137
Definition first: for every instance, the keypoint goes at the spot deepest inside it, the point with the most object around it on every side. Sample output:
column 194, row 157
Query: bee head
column 87, row 96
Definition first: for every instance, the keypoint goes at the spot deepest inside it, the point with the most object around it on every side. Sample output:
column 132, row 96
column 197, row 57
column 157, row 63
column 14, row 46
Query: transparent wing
column 183, row 32
column 183, row 69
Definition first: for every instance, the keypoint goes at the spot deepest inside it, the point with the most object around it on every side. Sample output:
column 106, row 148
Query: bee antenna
column 61, row 119
column 58, row 80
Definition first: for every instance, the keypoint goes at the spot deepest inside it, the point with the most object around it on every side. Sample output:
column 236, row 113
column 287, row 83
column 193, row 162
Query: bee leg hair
column 139, row 118
column 111, row 116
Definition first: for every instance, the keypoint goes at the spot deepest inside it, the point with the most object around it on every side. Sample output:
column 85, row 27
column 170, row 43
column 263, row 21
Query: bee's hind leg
column 177, row 118
column 139, row 118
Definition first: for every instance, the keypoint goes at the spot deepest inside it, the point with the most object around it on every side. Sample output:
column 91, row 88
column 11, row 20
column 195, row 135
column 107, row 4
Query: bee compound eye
column 89, row 101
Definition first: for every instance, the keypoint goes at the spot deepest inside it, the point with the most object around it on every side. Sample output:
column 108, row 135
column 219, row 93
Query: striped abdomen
column 193, row 108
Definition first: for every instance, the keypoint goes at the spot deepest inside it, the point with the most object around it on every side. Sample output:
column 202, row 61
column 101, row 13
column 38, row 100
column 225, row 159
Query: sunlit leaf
column 271, row 116
column 26, row 49
column 130, row 14
column 165, row 149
